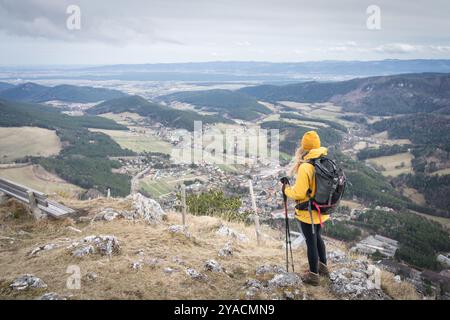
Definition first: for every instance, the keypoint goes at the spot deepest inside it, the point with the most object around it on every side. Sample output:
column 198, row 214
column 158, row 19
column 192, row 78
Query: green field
column 163, row 186
column 18, row 142
column 138, row 141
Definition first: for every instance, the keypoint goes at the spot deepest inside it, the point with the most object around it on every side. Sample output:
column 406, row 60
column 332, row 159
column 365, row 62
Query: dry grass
column 116, row 279
column 18, row 142
column 398, row 291
column 36, row 177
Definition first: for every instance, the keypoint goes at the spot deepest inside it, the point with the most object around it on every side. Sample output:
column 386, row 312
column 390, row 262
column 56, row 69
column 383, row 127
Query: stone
column 47, row 247
column 91, row 276
column 226, row 251
column 74, row 229
column 179, row 229
column 51, row 296
column 136, row 265
column 194, row 274
column 282, row 280
column 102, row 244
column 169, row 270
column 269, row 269
column 109, row 214
column 337, row 256
column 228, row 232
column 355, row 283
column 83, row 251
column 147, row 209
column 27, row 281
column 213, row 266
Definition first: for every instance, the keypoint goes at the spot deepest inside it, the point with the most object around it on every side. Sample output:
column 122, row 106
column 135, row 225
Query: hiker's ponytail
column 298, row 160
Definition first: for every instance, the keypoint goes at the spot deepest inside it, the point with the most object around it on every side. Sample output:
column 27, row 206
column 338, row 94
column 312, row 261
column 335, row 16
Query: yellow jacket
column 305, row 180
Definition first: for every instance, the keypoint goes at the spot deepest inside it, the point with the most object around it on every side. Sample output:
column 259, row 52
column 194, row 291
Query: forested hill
column 166, row 115
column 385, row 95
column 235, row 104
column 32, row 92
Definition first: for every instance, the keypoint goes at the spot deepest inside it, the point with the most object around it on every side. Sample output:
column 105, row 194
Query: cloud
column 46, row 19
column 397, row 48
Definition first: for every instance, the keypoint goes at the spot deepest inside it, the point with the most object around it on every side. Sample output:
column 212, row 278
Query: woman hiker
column 301, row 192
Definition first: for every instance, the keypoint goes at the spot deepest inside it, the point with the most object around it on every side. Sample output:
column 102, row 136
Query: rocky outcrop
column 226, row 251
column 228, row 232
column 147, row 209
column 51, row 296
column 27, row 281
column 213, row 266
column 105, row 245
column 179, row 229
column 273, row 282
column 195, row 275
column 354, row 279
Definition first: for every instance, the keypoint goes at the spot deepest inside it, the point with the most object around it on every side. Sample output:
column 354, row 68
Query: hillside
column 84, row 159
column 5, row 86
column 234, row 104
column 385, row 95
column 155, row 112
column 32, row 92
column 149, row 256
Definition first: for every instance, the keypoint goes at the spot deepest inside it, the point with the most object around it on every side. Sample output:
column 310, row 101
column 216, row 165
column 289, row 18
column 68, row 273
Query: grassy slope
column 116, row 280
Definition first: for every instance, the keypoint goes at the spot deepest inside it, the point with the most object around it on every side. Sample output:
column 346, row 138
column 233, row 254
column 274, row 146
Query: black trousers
column 315, row 246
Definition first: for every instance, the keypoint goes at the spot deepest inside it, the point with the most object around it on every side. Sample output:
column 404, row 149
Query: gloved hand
column 285, row 180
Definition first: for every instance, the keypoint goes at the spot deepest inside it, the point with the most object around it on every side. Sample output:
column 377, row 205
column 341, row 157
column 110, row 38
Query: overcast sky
column 151, row 31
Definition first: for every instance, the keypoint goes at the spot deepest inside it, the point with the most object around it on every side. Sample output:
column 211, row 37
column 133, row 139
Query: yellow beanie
column 310, row 140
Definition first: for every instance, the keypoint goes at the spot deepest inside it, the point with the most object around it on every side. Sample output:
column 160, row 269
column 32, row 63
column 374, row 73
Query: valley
column 137, row 142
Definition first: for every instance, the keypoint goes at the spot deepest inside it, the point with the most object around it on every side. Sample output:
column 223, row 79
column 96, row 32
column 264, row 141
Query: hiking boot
column 323, row 270
column 311, row 278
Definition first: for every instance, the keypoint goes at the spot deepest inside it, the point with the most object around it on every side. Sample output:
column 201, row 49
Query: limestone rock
column 147, row 209
column 194, row 274
column 269, row 269
column 51, row 296
column 46, row 247
column 101, row 244
column 179, row 229
column 213, row 265
column 27, row 281
column 136, row 265
column 226, row 251
column 91, row 276
column 228, row 232
column 282, row 280
column 355, row 283
column 109, row 214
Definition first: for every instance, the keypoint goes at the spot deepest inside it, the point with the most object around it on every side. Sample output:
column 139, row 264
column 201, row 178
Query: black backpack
column 330, row 183
column 330, row 186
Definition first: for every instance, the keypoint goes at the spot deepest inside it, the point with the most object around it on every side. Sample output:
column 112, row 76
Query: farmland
column 18, row 142
column 36, row 177
column 137, row 140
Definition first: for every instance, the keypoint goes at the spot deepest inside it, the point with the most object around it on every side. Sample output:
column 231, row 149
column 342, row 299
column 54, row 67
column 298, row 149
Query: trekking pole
column 285, row 181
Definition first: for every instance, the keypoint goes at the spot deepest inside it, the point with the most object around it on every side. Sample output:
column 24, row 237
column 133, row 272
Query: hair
column 300, row 153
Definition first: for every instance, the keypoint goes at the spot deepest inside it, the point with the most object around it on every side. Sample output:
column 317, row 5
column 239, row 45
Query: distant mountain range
column 385, row 95
column 217, row 71
column 234, row 104
column 32, row 92
column 166, row 115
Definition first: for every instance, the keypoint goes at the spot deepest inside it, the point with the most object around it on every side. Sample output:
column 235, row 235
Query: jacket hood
column 316, row 153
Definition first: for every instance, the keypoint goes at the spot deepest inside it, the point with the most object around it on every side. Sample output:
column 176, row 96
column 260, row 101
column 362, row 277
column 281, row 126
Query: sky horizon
column 101, row 32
